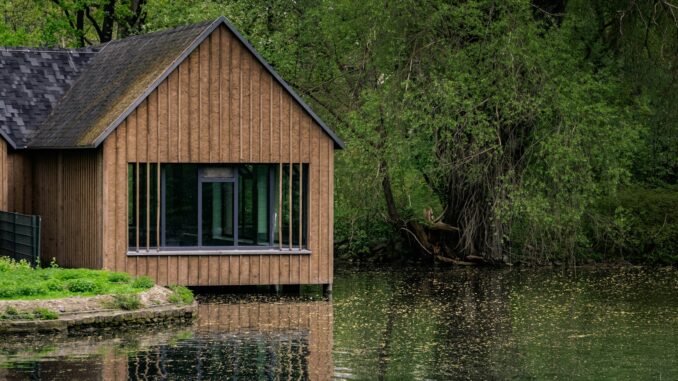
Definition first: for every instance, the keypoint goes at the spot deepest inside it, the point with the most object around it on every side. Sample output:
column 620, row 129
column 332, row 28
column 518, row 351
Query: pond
column 397, row 323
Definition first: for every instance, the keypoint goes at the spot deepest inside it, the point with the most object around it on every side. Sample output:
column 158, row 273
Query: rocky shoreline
column 91, row 313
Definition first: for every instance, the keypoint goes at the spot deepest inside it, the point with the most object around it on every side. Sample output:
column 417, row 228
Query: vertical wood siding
column 220, row 106
column 17, row 182
column 66, row 194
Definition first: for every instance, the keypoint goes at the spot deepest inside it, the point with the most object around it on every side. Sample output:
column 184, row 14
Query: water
column 397, row 324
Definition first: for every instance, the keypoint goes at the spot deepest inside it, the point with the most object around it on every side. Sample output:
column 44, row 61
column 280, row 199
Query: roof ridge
column 159, row 32
column 28, row 49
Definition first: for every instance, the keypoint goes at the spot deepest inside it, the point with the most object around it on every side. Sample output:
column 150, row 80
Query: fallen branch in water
column 454, row 261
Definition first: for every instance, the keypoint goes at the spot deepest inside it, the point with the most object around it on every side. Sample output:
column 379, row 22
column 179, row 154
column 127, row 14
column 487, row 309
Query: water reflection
column 397, row 324
column 232, row 339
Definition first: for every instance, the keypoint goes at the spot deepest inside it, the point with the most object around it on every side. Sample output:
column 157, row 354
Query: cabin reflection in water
column 251, row 340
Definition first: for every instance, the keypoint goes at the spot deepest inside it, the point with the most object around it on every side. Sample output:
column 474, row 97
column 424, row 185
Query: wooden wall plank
column 314, row 207
column 203, row 270
column 163, row 122
column 213, row 277
column 121, row 178
column 255, row 112
column 214, row 94
column 204, row 103
column 234, row 270
column 173, row 117
column 184, row 104
column 330, row 210
column 244, row 270
column 324, row 215
column 224, row 95
column 245, row 108
column 223, row 270
column 266, row 130
column 235, row 102
column 194, row 122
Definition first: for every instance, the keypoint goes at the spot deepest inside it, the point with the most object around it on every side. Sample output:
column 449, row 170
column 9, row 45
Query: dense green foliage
column 19, row 281
column 510, row 130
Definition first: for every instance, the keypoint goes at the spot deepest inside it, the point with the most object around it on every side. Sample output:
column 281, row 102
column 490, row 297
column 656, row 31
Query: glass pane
column 132, row 205
column 181, row 205
column 217, row 172
column 253, row 205
column 217, row 214
column 153, row 222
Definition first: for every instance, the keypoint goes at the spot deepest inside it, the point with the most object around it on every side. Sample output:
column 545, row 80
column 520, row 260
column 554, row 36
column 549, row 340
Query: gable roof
column 31, row 83
column 119, row 76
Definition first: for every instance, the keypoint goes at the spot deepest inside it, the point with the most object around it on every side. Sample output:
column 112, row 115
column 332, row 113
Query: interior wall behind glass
column 181, row 203
column 253, row 205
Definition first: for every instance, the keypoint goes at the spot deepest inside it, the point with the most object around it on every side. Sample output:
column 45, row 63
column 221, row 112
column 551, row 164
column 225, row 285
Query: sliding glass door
column 218, row 214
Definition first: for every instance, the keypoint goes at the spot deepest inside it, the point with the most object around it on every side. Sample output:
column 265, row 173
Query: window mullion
column 199, row 209
column 236, row 208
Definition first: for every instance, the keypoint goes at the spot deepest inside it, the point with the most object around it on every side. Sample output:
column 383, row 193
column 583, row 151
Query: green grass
column 126, row 302
column 181, row 295
column 19, row 281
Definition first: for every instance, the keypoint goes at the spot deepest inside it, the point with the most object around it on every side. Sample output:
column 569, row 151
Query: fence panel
column 20, row 237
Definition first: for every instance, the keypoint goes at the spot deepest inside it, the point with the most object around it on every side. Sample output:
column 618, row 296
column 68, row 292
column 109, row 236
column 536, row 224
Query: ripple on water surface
column 396, row 324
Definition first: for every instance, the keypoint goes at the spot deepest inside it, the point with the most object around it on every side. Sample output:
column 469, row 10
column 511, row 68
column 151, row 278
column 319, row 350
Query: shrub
column 118, row 277
column 9, row 264
column 83, row 286
column 181, row 295
column 11, row 313
column 67, row 274
column 7, row 290
column 45, row 314
column 639, row 224
column 143, row 282
column 126, row 301
column 31, row 289
column 54, row 285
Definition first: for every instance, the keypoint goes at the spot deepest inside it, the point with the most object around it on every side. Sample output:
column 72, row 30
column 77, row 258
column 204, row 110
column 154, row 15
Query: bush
column 45, row 314
column 181, row 295
column 83, row 286
column 143, row 282
column 67, row 274
column 31, row 289
column 54, row 285
column 9, row 264
column 118, row 277
column 639, row 224
column 7, row 290
column 126, row 302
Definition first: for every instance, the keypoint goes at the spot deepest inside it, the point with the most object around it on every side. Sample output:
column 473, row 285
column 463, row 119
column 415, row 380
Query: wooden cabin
column 179, row 154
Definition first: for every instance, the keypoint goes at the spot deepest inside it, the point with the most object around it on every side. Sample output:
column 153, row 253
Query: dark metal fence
column 20, row 237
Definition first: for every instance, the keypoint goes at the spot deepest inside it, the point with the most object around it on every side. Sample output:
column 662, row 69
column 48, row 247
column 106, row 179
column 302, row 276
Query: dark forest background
column 477, row 131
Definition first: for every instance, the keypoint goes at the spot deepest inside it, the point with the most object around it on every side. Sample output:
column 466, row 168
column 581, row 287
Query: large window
column 188, row 206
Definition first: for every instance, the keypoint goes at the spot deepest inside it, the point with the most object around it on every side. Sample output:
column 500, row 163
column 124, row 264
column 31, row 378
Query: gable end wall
column 220, row 106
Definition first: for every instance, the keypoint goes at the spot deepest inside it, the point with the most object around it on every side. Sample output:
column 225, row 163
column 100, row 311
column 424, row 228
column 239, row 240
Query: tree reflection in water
column 397, row 324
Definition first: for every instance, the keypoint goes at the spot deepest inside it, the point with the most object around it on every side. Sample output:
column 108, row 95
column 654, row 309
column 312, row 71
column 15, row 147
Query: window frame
column 236, row 249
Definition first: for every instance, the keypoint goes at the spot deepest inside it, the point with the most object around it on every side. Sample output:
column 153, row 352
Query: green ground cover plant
column 39, row 313
column 18, row 280
column 181, row 295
